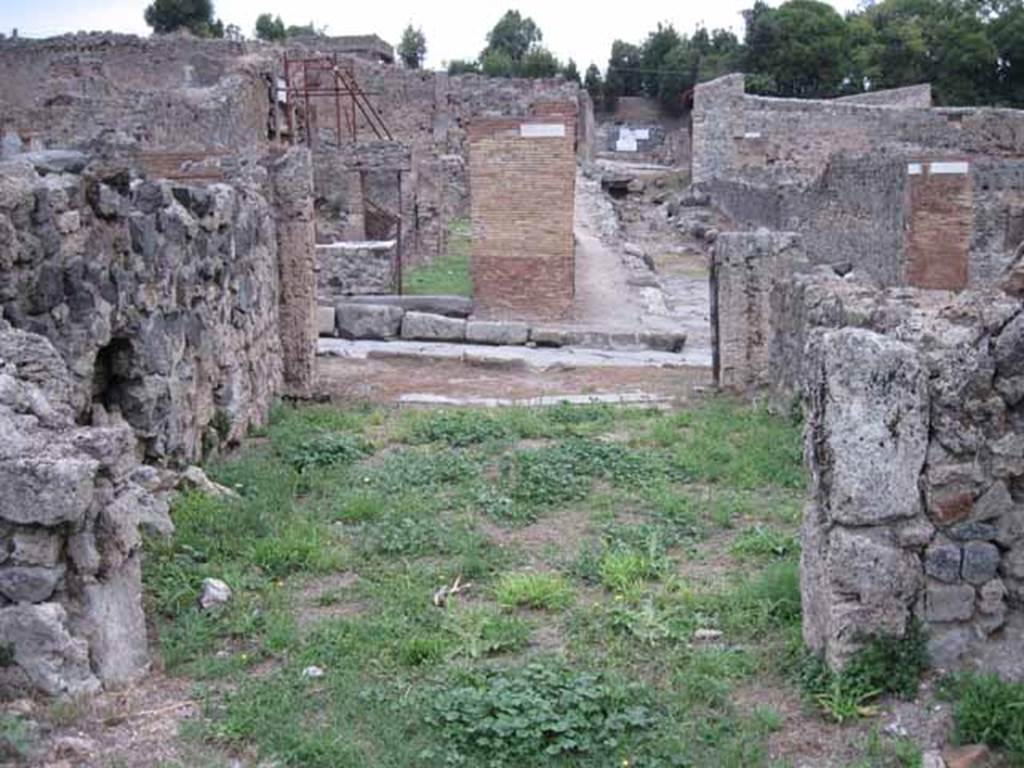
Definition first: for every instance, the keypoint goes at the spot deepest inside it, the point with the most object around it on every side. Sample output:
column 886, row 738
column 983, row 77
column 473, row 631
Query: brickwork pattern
column 522, row 211
column 938, row 238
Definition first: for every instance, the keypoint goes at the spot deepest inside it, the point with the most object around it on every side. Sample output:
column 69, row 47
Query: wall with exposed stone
column 639, row 130
column 162, row 298
column 157, row 93
column 913, row 439
column 72, row 500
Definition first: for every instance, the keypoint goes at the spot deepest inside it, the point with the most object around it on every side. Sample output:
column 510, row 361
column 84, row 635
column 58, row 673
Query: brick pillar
column 522, row 182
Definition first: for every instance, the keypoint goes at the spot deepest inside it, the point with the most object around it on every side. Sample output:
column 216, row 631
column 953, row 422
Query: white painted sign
column 629, row 138
column 956, row 168
column 914, row 169
column 542, row 130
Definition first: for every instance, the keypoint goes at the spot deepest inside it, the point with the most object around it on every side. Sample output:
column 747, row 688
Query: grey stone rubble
column 71, row 508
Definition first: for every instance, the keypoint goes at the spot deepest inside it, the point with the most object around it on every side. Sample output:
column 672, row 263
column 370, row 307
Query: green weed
column 987, row 710
column 534, row 590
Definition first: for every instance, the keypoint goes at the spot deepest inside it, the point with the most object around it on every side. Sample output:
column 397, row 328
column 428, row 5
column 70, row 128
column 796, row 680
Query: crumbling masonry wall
column 161, row 298
column 72, row 500
column 914, row 442
column 911, row 196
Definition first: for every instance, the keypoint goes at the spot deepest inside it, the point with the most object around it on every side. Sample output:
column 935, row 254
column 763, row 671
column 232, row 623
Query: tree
column 269, row 27
column 539, row 62
column 624, row 76
column 570, row 72
column 305, row 30
column 594, row 84
column 652, row 56
column 497, row 63
column 513, row 35
column 802, row 46
column 194, row 15
column 412, row 50
column 463, row 67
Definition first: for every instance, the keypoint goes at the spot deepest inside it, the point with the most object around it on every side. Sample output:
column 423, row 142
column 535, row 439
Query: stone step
column 362, row 320
column 451, row 306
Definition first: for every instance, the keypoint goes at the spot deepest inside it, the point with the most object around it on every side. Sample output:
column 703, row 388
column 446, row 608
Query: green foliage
column 764, row 541
column 6, row 654
column 987, row 710
column 885, row 752
column 513, row 36
column 448, row 274
column 534, row 590
column 196, row 16
column 269, row 27
column 532, row 715
column 803, row 44
column 734, row 445
column 571, row 72
column 326, row 450
column 883, row 665
column 463, row 67
column 480, row 632
column 412, row 49
column 458, row 428
column 16, row 738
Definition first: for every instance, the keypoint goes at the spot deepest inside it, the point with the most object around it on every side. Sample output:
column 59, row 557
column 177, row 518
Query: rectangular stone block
column 487, row 332
column 946, row 602
column 421, row 326
column 325, row 321
column 368, row 321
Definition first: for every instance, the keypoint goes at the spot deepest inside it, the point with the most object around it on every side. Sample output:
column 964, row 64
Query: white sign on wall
column 629, row 138
column 542, row 130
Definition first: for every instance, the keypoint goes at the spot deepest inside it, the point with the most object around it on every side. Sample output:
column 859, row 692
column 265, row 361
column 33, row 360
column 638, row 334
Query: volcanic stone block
column 368, row 321
column 981, row 562
column 425, row 327
column 325, row 321
column 947, row 602
column 942, row 562
column 869, row 427
column 485, row 332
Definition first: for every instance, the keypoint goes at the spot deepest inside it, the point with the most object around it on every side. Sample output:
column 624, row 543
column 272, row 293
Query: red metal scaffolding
column 312, row 81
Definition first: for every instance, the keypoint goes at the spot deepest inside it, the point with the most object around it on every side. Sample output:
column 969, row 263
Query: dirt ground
column 383, row 381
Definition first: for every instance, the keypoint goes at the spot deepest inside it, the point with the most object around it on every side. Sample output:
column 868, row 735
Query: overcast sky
column 455, row 29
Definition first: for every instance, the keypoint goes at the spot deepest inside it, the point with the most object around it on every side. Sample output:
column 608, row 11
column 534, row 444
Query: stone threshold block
column 421, row 326
column 368, row 321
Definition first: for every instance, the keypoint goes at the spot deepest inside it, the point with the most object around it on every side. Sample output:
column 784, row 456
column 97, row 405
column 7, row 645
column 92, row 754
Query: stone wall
column 913, row 439
column 755, row 138
column 161, row 298
column 639, row 130
column 745, row 267
column 355, row 268
column 523, row 175
column 149, row 93
column 72, row 500
column 888, row 215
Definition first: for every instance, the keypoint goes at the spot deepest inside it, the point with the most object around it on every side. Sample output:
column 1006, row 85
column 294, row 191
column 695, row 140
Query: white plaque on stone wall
column 542, row 130
column 955, row 168
column 914, row 169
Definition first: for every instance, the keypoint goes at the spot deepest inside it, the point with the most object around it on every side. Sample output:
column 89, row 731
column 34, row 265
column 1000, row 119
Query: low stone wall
column 72, row 499
column 914, row 403
column 162, row 298
column 352, row 268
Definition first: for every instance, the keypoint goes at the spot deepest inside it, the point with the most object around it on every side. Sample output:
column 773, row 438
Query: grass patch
column 987, row 710
column 402, row 502
column 548, row 591
column 448, row 274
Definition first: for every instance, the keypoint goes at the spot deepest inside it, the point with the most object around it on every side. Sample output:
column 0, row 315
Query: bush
column 533, row 715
